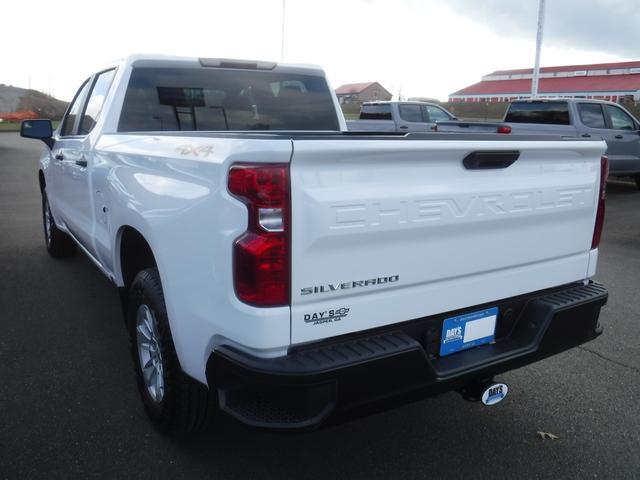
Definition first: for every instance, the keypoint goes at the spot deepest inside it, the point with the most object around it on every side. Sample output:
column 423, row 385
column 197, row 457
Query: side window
column 591, row 115
column 619, row 119
column 74, row 110
column 410, row 113
column 435, row 114
column 373, row 111
column 543, row 111
column 96, row 101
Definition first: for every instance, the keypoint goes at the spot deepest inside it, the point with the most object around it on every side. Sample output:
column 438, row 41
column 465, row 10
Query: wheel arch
column 41, row 180
column 133, row 254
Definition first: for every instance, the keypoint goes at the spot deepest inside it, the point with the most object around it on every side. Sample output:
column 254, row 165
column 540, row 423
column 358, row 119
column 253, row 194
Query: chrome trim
column 91, row 257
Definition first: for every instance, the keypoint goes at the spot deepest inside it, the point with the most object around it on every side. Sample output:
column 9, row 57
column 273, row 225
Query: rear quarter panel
column 173, row 191
column 371, row 126
column 542, row 129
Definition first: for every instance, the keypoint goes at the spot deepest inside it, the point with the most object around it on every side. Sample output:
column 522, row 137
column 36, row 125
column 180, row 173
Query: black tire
column 59, row 244
column 184, row 405
column 637, row 178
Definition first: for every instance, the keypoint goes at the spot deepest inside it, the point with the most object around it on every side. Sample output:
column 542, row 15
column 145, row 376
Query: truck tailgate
column 389, row 230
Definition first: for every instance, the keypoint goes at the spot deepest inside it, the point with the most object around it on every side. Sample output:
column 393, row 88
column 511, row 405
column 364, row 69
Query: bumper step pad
column 302, row 389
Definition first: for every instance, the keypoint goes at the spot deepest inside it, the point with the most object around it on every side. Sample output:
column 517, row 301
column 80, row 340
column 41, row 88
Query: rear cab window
column 380, row 111
column 209, row 99
column 551, row 113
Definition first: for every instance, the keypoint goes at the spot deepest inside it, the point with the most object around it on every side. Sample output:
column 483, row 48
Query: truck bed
column 403, row 213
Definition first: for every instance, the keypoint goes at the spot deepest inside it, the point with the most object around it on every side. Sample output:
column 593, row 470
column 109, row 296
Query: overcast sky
column 419, row 47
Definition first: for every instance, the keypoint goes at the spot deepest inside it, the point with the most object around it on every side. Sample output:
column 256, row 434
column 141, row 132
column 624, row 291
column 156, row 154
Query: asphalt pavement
column 69, row 406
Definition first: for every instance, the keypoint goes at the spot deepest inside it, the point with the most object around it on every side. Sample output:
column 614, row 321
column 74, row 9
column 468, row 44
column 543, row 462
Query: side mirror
column 39, row 129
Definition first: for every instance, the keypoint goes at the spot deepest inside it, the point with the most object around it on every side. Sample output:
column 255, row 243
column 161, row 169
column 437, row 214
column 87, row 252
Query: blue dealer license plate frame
column 467, row 331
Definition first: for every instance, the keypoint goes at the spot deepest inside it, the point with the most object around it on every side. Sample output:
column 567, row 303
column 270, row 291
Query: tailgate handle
column 488, row 160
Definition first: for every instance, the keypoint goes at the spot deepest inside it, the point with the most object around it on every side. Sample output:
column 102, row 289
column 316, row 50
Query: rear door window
column 591, row 115
column 210, row 99
column 619, row 118
column 553, row 113
column 410, row 113
column 376, row 112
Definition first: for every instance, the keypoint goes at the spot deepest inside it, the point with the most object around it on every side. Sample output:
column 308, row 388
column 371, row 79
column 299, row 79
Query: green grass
column 9, row 126
column 15, row 126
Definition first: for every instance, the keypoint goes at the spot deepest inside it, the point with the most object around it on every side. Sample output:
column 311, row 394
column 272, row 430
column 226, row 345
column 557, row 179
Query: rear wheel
column 637, row 178
column 174, row 401
column 59, row 244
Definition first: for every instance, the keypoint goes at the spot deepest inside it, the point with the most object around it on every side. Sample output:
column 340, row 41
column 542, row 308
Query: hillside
column 15, row 99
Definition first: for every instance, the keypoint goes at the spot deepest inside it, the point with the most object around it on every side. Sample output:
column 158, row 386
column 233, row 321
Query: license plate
column 468, row 331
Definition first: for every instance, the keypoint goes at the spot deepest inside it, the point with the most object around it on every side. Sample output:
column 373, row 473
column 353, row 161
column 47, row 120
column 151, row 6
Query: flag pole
column 536, row 68
column 282, row 36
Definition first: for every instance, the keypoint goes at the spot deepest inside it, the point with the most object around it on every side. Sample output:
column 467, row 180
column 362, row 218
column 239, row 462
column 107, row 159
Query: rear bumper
column 357, row 374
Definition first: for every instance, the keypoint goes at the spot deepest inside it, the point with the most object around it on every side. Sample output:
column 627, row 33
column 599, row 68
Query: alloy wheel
column 149, row 352
column 47, row 222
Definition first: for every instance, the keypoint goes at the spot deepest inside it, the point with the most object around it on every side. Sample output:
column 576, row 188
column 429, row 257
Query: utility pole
column 536, row 67
column 284, row 4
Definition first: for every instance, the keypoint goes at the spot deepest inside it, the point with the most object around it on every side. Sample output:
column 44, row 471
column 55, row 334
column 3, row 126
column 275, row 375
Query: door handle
column 619, row 136
column 403, row 127
column 82, row 162
column 586, row 135
column 59, row 156
column 484, row 160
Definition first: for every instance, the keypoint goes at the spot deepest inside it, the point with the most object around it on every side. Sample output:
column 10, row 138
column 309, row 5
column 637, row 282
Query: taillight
column 602, row 195
column 504, row 129
column 261, row 253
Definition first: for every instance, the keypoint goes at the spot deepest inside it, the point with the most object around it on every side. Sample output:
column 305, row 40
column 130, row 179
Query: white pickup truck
column 289, row 273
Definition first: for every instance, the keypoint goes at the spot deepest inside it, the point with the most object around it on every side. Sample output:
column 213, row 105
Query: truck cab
column 399, row 117
column 586, row 118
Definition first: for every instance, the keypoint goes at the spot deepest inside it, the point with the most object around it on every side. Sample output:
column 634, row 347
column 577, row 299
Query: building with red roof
column 362, row 92
column 608, row 81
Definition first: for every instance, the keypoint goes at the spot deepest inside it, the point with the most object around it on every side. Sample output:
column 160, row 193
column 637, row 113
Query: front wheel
column 176, row 403
column 59, row 244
